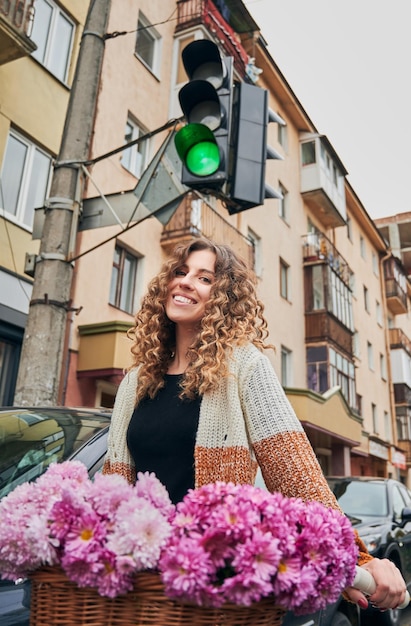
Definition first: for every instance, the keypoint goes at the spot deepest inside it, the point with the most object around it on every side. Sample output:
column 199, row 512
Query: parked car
column 380, row 510
column 31, row 439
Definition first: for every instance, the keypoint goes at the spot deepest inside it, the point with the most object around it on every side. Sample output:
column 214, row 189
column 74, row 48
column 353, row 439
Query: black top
column 161, row 437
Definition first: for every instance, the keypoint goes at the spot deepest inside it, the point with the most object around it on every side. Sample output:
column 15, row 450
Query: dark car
column 31, row 439
column 380, row 510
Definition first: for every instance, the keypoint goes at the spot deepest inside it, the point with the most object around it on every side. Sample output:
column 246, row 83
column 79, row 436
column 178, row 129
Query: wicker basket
column 56, row 601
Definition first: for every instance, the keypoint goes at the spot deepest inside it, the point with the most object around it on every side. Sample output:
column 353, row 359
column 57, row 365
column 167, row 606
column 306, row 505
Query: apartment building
column 319, row 258
column 396, row 230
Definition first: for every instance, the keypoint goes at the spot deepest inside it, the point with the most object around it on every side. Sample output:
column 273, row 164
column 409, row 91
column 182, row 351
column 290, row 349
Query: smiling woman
column 202, row 404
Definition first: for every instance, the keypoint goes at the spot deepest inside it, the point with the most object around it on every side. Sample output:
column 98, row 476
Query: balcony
column 317, row 248
column 322, row 180
column 322, row 326
column 16, row 20
column 195, row 218
column 191, row 13
column 399, row 340
column 104, row 349
column 406, row 446
column 395, row 286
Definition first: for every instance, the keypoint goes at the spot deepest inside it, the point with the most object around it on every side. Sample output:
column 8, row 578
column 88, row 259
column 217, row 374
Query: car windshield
column 32, row 439
column 359, row 499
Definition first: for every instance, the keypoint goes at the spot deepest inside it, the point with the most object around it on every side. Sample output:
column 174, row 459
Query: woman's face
column 189, row 289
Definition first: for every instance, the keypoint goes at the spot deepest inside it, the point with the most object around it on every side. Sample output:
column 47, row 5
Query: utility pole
column 41, row 360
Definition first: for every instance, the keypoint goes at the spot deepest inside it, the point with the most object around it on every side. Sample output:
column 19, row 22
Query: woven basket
column 56, row 601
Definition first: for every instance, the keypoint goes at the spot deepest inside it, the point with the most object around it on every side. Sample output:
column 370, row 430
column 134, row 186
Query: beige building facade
column 320, row 260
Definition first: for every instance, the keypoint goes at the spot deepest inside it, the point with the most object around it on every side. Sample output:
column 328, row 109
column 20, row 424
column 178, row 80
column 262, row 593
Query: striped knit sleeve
column 118, row 459
column 283, row 451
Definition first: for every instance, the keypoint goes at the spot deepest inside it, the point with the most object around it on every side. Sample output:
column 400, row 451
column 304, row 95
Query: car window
column 31, row 440
column 360, row 499
column 398, row 503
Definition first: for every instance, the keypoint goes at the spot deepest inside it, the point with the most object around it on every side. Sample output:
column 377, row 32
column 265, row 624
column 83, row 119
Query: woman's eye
column 179, row 273
column 206, row 279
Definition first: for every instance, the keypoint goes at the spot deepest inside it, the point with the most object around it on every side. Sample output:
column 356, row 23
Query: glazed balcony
column 16, row 21
column 395, row 286
column 195, row 218
column 322, row 181
column 191, row 13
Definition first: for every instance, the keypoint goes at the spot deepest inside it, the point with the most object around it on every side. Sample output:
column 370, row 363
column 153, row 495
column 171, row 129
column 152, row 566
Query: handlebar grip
column 366, row 583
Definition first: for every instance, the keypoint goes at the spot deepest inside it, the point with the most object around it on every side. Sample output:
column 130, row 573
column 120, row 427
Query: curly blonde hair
column 233, row 316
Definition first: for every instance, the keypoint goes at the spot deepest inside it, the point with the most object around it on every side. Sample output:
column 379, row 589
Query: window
column 53, row 35
column 257, row 252
column 370, row 355
column 383, row 367
column 283, row 203
column 366, row 299
column 375, row 263
column 148, row 44
column 286, row 367
column 327, row 368
column 349, row 228
column 317, row 368
column 11, row 338
column 342, row 374
column 378, row 312
column 282, row 135
column 318, row 288
column 284, row 280
column 308, row 153
column 374, row 418
column 387, row 426
column 134, row 159
column 123, row 280
column 362, row 247
column 330, row 292
column 25, row 176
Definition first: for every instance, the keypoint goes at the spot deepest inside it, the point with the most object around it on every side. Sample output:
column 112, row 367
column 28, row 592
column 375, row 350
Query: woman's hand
column 391, row 587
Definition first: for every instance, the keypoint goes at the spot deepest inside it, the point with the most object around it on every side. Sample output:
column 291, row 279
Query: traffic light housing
column 247, row 187
column 206, row 101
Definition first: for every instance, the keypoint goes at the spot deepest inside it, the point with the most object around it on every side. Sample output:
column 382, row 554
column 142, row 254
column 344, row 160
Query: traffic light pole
column 38, row 380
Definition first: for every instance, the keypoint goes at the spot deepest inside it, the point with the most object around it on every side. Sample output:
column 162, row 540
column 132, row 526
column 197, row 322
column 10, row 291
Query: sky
column 349, row 64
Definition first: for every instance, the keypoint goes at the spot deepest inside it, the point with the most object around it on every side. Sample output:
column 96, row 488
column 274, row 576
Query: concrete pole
column 42, row 355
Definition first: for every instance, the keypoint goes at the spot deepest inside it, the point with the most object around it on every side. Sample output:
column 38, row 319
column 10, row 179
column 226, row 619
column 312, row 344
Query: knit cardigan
column 247, row 420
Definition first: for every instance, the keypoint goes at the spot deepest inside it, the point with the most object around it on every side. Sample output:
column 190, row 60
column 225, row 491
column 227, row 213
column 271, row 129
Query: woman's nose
column 186, row 281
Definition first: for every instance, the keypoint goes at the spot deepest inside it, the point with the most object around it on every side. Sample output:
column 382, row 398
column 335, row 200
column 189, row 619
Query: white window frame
column 286, row 367
column 117, row 293
column 155, row 37
column 283, row 203
column 257, row 248
column 52, row 40
column 135, row 158
column 285, row 291
column 370, row 356
column 25, row 181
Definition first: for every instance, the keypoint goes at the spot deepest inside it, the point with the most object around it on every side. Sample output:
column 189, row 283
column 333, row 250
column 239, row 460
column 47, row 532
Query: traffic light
column 206, row 100
column 247, row 187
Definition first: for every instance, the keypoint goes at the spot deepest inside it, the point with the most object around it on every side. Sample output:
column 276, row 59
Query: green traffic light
column 203, row 159
column 197, row 148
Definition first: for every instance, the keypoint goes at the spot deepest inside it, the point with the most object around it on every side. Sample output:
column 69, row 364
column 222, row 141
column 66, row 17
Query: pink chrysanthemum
column 101, row 532
column 237, row 543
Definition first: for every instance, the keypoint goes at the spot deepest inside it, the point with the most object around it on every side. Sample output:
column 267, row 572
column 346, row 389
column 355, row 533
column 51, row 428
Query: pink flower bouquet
column 237, row 543
column 101, row 532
